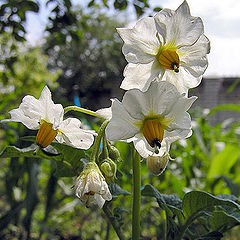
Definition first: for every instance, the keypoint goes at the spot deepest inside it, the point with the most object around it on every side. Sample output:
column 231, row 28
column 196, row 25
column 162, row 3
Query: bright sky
column 222, row 26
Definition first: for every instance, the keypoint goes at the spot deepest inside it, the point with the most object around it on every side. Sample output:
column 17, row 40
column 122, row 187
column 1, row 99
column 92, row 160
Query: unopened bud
column 157, row 164
column 113, row 153
column 109, row 169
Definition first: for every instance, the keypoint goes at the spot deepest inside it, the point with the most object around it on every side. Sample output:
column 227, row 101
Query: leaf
column 116, row 190
column 63, row 169
column 223, row 161
column 234, row 188
column 229, row 107
column 68, row 153
column 196, row 201
column 67, row 158
column 169, row 203
column 91, row 3
column 71, row 155
column 105, row 3
column 157, row 9
column 171, row 200
column 138, row 10
column 211, row 236
column 12, row 151
column 221, row 218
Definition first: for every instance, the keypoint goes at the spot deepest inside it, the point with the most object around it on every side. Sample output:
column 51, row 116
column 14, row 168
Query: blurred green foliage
column 91, row 64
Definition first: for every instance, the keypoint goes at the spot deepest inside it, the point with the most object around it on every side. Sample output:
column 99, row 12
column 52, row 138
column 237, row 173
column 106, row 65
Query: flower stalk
column 136, row 195
column 82, row 110
column 113, row 221
column 97, row 142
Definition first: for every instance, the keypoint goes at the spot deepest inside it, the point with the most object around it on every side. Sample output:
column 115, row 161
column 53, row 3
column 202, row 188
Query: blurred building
column 217, row 91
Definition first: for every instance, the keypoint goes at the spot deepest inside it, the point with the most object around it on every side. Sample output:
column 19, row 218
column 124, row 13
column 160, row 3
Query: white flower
column 46, row 116
column 152, row 119
column 91, row 186
column 171, row 45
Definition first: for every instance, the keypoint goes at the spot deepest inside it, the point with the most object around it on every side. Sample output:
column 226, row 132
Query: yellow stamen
column 169, row 59
column 45, row 134
column 153, row 132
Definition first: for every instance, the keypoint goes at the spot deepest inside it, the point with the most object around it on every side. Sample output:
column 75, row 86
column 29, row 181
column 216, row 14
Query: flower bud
column 157, row 164
column 113, row 153
column 109, row 169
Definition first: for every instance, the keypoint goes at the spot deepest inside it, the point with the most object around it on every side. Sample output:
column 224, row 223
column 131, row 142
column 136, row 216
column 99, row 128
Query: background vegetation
column 81, row 61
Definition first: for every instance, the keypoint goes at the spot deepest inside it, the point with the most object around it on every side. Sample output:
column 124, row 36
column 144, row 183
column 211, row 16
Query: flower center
column 153, row 132
column 45, row 134
column 169, row 59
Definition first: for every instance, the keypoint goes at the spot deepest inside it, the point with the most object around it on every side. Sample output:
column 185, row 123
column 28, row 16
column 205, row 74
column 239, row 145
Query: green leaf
column 68, row 159
column 63, row 169
column 223, row 161
column 221, row 219
column 116, row 190
column 229, row 107
column 69, row 154
column 234, row 188
column 91, row 3
column 196, row 201
column 12, row 151
column 138, row 10
column 211, row 236
column 157, row 9
column 170, row 203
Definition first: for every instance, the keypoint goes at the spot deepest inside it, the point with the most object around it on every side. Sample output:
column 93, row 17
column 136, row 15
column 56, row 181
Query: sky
column 221, row 23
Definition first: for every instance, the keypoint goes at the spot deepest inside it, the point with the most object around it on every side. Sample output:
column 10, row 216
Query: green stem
column 188, row 223
column 113, row 221
column 97, row 142
column 82, row 110
column 105, row 150
column 136, row 196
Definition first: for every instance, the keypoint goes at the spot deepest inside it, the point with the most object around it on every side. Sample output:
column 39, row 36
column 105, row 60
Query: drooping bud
column 113, row 152
column 91, row 186
column 109, row 169
column 45, row 135
column 157, row 164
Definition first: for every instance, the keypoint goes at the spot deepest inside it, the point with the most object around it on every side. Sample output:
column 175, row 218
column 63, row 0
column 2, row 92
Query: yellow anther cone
column 45, row 135
column 153, row 132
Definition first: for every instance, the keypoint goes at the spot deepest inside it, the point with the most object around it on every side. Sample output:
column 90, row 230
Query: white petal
column 105, row 112
column 160, row 19
column 99, row 200
column 161, row 97
column 137, row 103
column 194, row 57
column 73, row 135
column 121, row 125
column 145, row 150
column 181, row 27
column 140, row 42
column 17, row 115
column 29, row 113
column 140, row 75
column 107, row 194
column 177, row 134
column 183, row 80
column 52, row 113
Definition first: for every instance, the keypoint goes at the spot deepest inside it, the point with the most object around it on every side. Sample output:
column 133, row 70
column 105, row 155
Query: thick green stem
column 97, row 142
column 82, row 110
column 113, row 221
column 136, row 196
column 105, row 150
